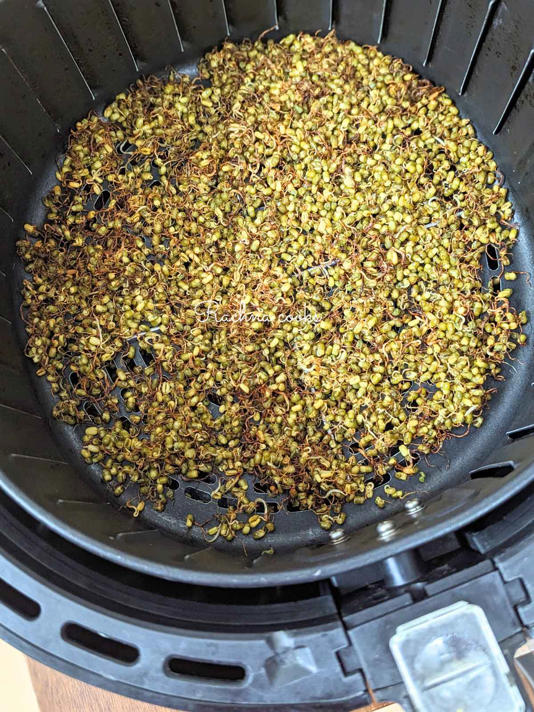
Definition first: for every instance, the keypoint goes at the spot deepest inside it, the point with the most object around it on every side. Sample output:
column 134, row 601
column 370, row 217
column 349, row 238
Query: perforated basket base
column 297, row 529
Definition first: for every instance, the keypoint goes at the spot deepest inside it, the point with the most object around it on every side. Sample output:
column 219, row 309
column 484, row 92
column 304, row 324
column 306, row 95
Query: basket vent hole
column 91, row 409
column 126, row 147
column 18, row 602
column 215, row 398
column 292, row 506
column 500, row 470
column 111, row 370
column 209, row 478
column 173, row 484
column 380, row 481
column 125, row 423
column 519, row 433
column 226, row 502
column 492, row 257
column 206, row 671
column 147, row 356
column 272, row 507
column 402, row 461
column 129, row 363
column 197, row 495
column 102, row 200
column 100, row 644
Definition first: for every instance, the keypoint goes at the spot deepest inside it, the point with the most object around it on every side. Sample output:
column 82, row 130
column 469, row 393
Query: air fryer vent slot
column 18, row 602
column 502, row 469
column 206, row 670
column 100, row 644
column 492, row 257
column 519, row 433
column 380, row 480
column 102, row 200
column 198, row 495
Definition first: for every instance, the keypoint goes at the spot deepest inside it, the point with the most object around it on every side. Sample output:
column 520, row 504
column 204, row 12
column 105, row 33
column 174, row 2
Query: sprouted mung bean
column 305, row 176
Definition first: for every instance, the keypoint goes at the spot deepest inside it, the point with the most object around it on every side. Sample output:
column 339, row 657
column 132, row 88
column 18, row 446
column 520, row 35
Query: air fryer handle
column 499, row 580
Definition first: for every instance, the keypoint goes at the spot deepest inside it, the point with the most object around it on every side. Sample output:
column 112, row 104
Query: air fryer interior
column 62, row 59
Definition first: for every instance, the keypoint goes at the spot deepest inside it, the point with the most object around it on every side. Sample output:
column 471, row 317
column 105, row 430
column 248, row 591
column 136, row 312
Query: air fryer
column 144, row 607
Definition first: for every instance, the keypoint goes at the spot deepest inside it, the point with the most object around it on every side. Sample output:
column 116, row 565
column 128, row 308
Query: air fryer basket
column 59, row 60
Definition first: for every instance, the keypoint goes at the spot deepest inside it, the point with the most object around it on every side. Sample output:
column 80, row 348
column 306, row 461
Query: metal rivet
column 386, row 530
column 337, row 536
column 413, row 507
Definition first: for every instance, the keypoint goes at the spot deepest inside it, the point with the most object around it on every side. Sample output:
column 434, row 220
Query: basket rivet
column 337, row 536
column 413, row 507
column 386, row 530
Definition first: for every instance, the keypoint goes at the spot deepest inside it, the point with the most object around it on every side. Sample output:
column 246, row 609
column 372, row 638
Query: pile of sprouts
column 271, row 270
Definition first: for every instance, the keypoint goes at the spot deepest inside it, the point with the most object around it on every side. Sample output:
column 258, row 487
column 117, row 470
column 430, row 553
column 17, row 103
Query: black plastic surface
column 97, row 42
column 312, row 647
column 46, row 64
column 151, row 30
column 480, row 48
column 133, row 633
